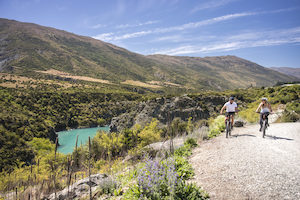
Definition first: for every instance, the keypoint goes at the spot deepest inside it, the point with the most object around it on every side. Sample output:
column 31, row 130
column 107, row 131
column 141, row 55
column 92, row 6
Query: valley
column 54, row 84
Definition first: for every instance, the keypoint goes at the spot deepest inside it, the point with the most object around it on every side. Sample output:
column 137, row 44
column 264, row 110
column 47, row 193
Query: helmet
column 231, row 98
column 264, row 99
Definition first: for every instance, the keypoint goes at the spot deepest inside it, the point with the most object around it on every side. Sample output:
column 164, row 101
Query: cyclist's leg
column 226, row 117
column 266, row 117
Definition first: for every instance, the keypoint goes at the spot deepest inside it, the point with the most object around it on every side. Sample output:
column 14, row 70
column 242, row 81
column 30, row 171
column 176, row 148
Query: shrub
column 191, row 142
column 290, row 116
column 186, row 149
column 150, row 133
column 249, row 114
column 162, row 180
column 108, row 186
column 190, row 191
column 217, row 126
column 184, row 168
column 156, row 180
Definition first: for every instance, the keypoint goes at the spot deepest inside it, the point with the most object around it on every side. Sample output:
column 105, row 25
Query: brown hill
column 31, row 50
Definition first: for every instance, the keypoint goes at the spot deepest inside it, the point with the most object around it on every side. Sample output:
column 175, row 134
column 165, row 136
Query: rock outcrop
column 166, row 109
column 80, row 188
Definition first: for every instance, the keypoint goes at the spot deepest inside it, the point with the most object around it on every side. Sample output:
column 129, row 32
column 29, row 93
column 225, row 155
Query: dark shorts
column 265, row 113
column 230, row 113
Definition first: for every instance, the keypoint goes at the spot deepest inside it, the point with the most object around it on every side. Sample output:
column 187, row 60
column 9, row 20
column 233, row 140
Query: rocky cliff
column 166, row 109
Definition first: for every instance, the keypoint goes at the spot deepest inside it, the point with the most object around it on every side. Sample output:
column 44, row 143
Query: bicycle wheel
column 227, row 128
column 264, row 128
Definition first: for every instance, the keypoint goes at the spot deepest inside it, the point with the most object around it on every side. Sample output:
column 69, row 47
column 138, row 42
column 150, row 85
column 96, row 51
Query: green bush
column 290, row 116
column 249, row 114
column 186, row 149
column 191, row 142
column 217, row 126
column 150, row 134
column 184, row 168
column 190, row 191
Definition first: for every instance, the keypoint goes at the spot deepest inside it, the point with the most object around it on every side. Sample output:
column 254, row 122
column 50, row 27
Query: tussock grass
column 216, row 126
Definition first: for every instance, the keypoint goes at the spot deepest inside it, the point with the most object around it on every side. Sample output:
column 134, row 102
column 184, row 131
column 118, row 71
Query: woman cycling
column 265, row 109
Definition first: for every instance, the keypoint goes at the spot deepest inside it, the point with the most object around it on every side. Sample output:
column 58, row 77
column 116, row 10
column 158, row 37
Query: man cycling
column 265, row 109
column 231, row 109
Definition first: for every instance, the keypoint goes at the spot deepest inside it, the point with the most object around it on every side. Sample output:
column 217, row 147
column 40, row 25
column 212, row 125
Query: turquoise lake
column 67, row 139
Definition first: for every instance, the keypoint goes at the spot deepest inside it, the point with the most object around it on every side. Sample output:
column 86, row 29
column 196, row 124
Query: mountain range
column 288, row 71
column 32, row 50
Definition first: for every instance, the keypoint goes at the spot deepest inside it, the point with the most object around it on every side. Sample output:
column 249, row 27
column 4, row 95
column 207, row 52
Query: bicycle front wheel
column 227, row 129
column 264, row 129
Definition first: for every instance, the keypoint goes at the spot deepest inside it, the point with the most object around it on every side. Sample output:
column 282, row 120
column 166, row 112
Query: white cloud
column 136, row 25
column 104, row 36
column 96, row 26
column 132, row 35
column 211, row 4
column 239, row 41
column 191, row 25
column 183, row 38
column 173, row 38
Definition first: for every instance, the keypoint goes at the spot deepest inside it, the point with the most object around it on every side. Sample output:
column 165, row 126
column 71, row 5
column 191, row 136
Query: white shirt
column 264, row 110
column 230, row 107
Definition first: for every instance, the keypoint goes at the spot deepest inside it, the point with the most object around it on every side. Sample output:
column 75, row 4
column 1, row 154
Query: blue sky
column 264, row 31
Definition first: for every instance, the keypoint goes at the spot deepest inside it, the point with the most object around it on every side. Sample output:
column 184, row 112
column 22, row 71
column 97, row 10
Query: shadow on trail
column 237, row 135
column 278, row 138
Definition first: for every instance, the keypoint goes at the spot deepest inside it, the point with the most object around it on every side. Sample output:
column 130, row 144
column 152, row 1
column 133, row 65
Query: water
column 67, row 139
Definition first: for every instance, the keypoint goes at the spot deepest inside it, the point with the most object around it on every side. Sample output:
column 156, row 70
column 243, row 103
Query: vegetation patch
column 140, row 84
column 216, row 126
column 67, row 75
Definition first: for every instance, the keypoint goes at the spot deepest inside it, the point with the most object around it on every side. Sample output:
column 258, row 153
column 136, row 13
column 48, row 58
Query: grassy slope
column 29, row 47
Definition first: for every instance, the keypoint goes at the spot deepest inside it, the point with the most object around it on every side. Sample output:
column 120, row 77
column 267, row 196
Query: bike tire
column 264, row 129
column 227, row 129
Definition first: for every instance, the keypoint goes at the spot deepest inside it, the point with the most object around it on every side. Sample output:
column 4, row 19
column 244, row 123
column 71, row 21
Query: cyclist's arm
column 236, row 109
column 257, row 110
column 223, row 109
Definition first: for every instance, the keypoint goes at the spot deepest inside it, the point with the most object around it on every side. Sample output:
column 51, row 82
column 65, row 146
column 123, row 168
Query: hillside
column 43, row 52
column 288, row 71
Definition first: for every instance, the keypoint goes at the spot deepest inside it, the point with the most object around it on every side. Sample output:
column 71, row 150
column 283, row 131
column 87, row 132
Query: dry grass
column 12, row 85
column 140, row 84
column 172, row 84
column 67, row 75
column 164, row 83
column 12, row 81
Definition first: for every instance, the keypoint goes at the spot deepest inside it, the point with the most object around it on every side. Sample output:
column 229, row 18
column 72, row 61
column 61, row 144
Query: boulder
column 80, row 188
column 239, row 123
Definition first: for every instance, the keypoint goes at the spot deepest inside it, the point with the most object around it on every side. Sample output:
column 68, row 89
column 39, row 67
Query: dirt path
column 246, row 166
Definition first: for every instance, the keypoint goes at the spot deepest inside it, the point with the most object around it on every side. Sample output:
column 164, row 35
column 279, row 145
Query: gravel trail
column 247, row 166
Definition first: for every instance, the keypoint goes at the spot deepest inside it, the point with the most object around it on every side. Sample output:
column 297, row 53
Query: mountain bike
column 265, row 123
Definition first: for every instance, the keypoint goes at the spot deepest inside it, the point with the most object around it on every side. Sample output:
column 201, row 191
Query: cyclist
column 231, row 109
column 265, row 109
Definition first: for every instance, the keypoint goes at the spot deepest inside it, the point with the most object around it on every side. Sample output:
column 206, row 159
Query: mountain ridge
column 27, row 48
column 295, row 72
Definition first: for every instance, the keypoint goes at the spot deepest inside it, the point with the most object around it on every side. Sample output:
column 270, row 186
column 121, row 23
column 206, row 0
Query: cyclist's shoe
column 231, row 127
column 260, row 129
